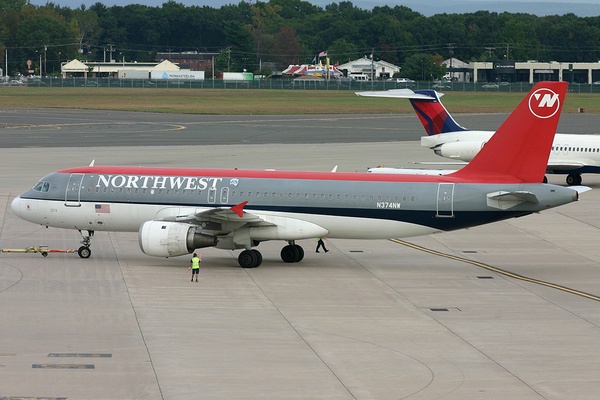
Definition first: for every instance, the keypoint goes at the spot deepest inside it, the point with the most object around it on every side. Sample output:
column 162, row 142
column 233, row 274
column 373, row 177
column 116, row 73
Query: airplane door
column 224, row 195
column 445, row 200
column 73, row 192
column 212, row 195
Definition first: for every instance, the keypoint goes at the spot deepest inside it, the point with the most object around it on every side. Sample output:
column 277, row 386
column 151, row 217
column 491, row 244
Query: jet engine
column 170, row 239
column 464, row 151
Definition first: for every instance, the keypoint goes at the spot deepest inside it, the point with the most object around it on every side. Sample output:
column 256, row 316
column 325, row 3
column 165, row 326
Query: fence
column 287, row 84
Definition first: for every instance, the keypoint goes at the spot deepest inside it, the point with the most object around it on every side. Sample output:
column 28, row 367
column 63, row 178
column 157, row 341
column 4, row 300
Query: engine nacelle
column 170, row 239
column 464, row 151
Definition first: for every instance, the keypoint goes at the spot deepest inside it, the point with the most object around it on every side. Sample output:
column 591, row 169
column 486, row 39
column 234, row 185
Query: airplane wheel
column 290, row 253
column 84, row 252
column 44, row 254
column 300, row 252
column 249, row 259
column 258, row 257
column 573, row 179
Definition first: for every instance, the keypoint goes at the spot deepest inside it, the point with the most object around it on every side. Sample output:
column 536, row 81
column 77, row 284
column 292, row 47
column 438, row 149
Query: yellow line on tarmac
column 498, row 270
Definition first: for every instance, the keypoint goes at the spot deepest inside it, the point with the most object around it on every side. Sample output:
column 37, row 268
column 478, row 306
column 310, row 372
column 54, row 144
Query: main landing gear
column 289, row 254
column 573, row 179
column 84, row 251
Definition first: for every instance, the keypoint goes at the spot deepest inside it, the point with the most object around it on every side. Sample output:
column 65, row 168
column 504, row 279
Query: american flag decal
column 102, row 208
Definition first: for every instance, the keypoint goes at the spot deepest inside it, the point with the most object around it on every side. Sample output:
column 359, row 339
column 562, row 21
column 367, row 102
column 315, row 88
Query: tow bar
column 43, row 250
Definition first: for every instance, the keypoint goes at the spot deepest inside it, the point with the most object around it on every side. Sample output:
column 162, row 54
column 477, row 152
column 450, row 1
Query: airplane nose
column 15, row 205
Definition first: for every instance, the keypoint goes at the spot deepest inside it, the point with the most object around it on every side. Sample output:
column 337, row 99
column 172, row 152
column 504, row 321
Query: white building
column 366, row 69
column 458, row 71
column 76, row 68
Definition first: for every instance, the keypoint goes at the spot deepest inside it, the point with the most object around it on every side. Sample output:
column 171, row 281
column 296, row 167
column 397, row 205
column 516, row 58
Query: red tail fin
column 520, row 148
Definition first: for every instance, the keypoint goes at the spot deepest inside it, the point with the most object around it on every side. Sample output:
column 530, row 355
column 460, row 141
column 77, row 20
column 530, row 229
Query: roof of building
column 366, row 62
column 74, row 66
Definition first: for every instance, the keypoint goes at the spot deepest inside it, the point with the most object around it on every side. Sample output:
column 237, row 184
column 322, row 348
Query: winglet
column 239, row 208
column 520, row 148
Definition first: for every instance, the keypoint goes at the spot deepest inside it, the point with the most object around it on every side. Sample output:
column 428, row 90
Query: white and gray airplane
column 176, row 211
column 572, row 154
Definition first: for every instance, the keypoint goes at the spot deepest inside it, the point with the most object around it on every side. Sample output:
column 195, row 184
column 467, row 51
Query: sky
column 426, row 7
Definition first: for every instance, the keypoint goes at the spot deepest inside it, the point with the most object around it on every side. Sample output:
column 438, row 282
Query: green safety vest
column 195, row 263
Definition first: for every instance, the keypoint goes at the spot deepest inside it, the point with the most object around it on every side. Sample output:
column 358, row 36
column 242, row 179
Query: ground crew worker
column 195, row 266
column 320, row 244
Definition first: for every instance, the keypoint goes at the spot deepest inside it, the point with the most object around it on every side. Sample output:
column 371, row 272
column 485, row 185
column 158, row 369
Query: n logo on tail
column 544, row 103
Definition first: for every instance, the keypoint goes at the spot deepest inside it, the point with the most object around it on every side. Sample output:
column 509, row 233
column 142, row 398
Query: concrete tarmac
column 514, row 313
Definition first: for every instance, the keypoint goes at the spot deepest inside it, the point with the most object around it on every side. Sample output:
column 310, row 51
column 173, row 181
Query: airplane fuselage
column 176, row 211
column 571, row 154
column 344, row 205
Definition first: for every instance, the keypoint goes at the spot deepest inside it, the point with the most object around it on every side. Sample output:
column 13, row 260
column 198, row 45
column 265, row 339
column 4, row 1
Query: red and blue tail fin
column 430, row 110
column 520, row 148
column 433, row 115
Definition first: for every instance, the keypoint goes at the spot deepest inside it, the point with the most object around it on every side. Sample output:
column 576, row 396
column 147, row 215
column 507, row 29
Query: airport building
column 187, row 62
column 529, row 71
column 366, row 68
column 93, row 69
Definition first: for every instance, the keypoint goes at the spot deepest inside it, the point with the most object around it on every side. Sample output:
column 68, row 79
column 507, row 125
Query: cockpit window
column 42, row 187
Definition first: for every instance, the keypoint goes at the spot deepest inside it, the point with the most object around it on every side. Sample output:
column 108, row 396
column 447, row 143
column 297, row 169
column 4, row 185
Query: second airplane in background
column 571, row 155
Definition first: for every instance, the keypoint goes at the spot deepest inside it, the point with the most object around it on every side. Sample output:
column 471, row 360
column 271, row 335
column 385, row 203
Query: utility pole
column 110, row 49
column 372, row 70
column 451, row 52
column 228, row 58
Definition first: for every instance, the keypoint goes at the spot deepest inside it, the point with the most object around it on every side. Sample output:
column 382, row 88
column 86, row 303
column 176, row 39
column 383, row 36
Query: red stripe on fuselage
column 240, row 173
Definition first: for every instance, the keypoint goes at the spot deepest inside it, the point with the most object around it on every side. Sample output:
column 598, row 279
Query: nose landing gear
column 84, row 251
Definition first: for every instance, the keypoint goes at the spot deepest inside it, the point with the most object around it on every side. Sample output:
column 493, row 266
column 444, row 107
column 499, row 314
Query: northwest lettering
column 157, row 182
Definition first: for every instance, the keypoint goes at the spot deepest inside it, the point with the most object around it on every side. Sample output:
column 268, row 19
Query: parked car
column 402, row 80
column 490, row 86
column 440, row 85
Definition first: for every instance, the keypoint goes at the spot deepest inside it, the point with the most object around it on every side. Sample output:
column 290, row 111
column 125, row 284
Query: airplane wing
column 221, row 214
column 398, row 94
column 461, row 163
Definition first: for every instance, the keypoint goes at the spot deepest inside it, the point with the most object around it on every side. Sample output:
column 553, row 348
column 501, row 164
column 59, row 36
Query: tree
column 423, row 67
column 12, row 5
column 287, row 47
column 40, row 35
column 342, row 51
column 86, row 28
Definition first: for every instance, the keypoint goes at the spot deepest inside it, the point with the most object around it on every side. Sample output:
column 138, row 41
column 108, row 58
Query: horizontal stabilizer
column 580, row 189
column 505, row 200
column 398, row 94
